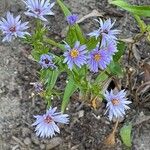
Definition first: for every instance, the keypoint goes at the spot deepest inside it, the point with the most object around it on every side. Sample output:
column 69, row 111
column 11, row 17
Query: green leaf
column 141, row 23
column 115, row 68
column 148, row 36
column 125, row 134
column 148, row 28
column 91, row 43
column 138, row 10
column 52, row 76
column 121, row 49
column 101, row 77
column 76, row 32
column 64, row 8
column 79, row 34
column 36, row 55
column 52, row 42
column 71, row 36
column 71, row 87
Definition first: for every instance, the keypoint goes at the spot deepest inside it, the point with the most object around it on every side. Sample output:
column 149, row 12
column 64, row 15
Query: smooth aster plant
column 46, row 61
column 72, row 19
column 46, row 125
column 12, row 27
column 105, row 31
column 75, row 55
column 39, row 8
column 116, row 104
column 98, row 59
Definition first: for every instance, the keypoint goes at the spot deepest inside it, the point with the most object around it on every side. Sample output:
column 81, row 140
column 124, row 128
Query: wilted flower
column 116, row 104
column 12, row 27
column 98, row 59
column 72, row 19
column 46, row 125
column 76, row 55
column 39, row 8
column 38, row 87
column 46, row 61
column 105, row 31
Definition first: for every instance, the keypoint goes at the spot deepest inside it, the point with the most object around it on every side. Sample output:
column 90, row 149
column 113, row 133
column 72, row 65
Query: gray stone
column 27, row 141
column 56, row 141
column 35, row 139
column 42, row 146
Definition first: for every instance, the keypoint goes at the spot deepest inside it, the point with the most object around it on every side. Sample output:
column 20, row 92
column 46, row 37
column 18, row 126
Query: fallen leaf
column 93, row 103
column 96, row 102
column 94, row 13
column 128, row 40
column 106, row 84
column 142, row 89
column 110, row 140
column 136, row 53
column 146, row 68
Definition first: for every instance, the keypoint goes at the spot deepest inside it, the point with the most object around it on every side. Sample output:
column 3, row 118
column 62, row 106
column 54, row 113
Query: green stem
column 52, row 42
column 48, row 103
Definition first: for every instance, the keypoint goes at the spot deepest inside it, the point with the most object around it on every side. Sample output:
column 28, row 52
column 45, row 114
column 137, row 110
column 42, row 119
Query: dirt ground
column 88, row 128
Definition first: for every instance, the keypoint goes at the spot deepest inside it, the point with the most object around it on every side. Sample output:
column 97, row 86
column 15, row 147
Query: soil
column 88, row 127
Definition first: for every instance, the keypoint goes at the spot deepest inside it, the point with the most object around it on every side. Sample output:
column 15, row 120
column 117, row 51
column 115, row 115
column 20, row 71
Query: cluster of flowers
column 98, row 58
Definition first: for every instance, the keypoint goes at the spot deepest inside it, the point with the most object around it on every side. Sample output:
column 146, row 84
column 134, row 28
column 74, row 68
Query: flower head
column 12, row 27
column 116, row 103
column 72, row 19
column 38, row 8
column 46, row 125
column 105, row 31
column 75, row 56
column 111, row 47
column 46, row 61
column 98, row 59
column 38, row 87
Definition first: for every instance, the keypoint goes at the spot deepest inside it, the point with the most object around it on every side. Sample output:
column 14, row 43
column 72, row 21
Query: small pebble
column 81, row 113
column 54, row 142
column 25, row 132
column 42, row 146
column 35, row 139
column 27, row 141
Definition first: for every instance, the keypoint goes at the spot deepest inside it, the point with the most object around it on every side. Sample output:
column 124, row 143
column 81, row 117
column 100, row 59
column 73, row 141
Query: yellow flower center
column 97, row 57
column 115, row 102
column 48, row 119
column 74, row 53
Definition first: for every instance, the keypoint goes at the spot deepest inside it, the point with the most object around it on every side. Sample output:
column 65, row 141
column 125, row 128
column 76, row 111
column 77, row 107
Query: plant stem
column 116, row 125
column 52, row 42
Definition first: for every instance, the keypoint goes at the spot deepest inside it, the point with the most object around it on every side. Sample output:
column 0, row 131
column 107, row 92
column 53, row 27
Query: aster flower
column 76, row 55
column 38, row 87
column 72, row 19
column 39, row 8
column 98, row 59
column 111, row 47
column 46, row 61
column 116, row 103
column 46, row 125
column 105, row 31
column 12, row 27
